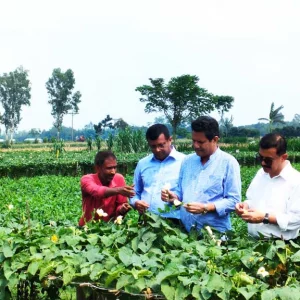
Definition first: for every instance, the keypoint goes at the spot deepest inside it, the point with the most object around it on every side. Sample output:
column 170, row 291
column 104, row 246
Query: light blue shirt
column 218, row 181
column 151, row 175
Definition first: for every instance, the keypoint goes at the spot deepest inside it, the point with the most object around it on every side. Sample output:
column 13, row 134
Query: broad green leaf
column 282, row 257
column 296, row 256
column 167, row 290
column 246, row 293
column 112, row 276
column 33, row 267
column 125, row 255
column 7, row 250
column 181, row 292
column 68, row 275
column 196, row 292
column 93, row 255
column 93, row 239
column 215, row 283
column 123, row 280
column 45, row 269
column 107, row 240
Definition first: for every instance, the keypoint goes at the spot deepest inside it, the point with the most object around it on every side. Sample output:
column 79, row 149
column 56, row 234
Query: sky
column 246, row 49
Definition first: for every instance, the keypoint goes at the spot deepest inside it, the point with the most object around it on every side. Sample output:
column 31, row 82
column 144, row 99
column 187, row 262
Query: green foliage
column 98, row 141
column 59, row 88
column 181, row 99
column 129, row 140
column 58, row 148
column 110, row 141
column 14, row 93
column 89, row 142
column 275, row 116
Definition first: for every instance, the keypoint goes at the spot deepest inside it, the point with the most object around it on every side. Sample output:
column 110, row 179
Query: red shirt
column 93, row 198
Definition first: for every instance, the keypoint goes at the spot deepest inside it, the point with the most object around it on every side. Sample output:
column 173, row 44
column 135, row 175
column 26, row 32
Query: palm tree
column 275, row 116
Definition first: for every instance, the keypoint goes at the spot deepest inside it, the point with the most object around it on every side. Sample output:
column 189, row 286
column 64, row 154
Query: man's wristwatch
column 205, row 208
column 266, row 219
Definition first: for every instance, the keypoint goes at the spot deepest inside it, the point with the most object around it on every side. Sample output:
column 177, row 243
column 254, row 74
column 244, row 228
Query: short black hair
column 154, row 131
column 101, row 156
column 274, row 140
column 208, row 125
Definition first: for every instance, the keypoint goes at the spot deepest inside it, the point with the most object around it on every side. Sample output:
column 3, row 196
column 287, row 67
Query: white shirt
column 279, row 196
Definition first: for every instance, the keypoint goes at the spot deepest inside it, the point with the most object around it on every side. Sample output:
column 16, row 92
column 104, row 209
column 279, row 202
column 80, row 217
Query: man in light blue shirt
column 209, row 181
column 157, row 171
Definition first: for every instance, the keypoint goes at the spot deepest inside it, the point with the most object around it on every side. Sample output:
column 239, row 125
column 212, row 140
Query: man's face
column 202, row 146
column 271, row 162
column 107, row 171
column 161, row 147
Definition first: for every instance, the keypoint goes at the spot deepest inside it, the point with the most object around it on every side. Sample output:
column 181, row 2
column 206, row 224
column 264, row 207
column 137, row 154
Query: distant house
column 32, row 140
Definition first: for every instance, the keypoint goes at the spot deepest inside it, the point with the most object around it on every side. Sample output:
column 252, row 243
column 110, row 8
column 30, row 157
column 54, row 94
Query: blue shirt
column 151, row 175
column 218, row 181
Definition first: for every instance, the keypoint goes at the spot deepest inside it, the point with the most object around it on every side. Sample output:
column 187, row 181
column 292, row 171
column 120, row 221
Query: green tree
column 120, row 124
column 107, row 122
column 225, row 125
column 14, row 93
column 35, row 132
column 296, row 120
column 60, row 87
column 275, row 117
column 181, row 99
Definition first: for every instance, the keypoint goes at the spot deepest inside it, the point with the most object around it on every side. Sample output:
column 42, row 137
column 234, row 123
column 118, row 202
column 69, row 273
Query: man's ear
column 284, row 156
column 216, row 139
column 170, row 139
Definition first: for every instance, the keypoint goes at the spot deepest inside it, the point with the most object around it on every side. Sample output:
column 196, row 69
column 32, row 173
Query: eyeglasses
column 267, row 160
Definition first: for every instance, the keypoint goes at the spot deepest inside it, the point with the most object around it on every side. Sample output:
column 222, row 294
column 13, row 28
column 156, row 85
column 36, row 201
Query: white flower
column 85, row 228
column 101, row 213
column 119, row 220
column 177, row 202
column 10, row 206
column 52, row 223
column 166, row 186
column 261, row 271
column 209, row 230
column 237, row 150
column 210, row 233
column 219, row 242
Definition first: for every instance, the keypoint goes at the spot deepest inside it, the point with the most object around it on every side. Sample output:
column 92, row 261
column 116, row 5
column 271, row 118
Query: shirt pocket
column 214, row 184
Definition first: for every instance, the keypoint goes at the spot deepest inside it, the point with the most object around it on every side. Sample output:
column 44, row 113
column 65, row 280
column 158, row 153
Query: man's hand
column 124, row 208
column 168, row 196
column 127, row 191
column 253, row 216
column 241, row 208
column 141, row 206
column 198, row 208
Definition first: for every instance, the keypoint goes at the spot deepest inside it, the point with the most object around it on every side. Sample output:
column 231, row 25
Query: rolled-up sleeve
column 291, row 219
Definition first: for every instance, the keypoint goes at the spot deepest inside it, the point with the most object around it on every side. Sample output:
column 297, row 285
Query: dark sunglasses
column 267, row 160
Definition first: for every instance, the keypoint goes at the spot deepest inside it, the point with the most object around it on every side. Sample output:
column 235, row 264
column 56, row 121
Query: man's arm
column 88, row 186
column 232, row 189
column 122, row 202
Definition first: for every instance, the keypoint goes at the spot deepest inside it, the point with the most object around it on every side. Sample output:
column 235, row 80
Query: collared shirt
column 151, row 175
column 93, row 198
column 279, row 196
column 218, row 181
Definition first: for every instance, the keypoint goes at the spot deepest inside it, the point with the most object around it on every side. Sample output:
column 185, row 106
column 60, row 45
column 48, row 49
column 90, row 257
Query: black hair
column 274, row 140
column 154, row 131
column 208, row 125
column 101, row 156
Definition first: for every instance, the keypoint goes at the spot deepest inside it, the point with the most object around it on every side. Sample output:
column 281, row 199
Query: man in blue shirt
column 209, row 180
column 157, row 171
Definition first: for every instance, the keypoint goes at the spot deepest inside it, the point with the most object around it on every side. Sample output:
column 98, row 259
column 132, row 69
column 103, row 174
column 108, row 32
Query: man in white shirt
column 272, row 207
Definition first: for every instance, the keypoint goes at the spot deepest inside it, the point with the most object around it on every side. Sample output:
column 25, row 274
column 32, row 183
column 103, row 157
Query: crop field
column 45, row 255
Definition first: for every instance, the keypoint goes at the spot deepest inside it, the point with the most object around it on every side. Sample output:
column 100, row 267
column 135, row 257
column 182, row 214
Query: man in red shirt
column 104, row 190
